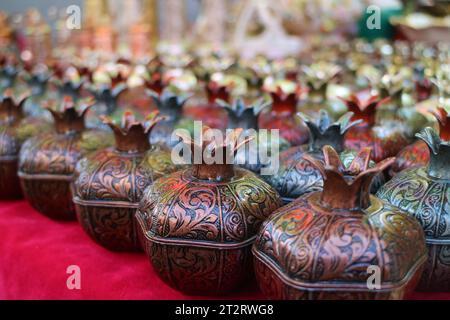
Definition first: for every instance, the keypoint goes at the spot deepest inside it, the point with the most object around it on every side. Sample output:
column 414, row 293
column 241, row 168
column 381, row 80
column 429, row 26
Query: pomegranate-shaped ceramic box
column 295, row 175
column 329, row 244
column 245, row 116
column 109, row 183
column 15, row 128
column 198, row 225
column 423, row 192
column 212, row 114
column 170, row 105
column 285, row 95
column 47, row 162
column 386, row 139
column 418, row 154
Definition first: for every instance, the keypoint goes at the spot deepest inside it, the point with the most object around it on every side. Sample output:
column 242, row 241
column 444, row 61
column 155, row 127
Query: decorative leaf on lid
column 217, row 91
column 155, row 83
column 211, row 155
column 325, row 131
column 131, row 135
column 347, row 188
column 285, row 95
column 69, row 118
column 364, row 110
column 244, row 116
column 11, row 108
column 443, row 117
column 439, row 164
column 168, row 103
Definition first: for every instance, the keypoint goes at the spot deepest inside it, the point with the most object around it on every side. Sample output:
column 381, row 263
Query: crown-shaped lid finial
column 439, row 164
column 212, row 155
column 364, row 109
column 11, row 108
column 244, row 116
column 324, row 131
column 285, row 95
column 155, row 83
column 443, row 118
column 347, row 188
column 69, row 117
column 131, row 135
column 218, row 91
column 168, row 103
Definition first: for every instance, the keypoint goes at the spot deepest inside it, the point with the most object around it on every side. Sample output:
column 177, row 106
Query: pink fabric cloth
column 36, row 251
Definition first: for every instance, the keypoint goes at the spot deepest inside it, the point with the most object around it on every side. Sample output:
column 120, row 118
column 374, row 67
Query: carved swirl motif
column 9, row 145
column 58, row 154
column 310, row 244
column 178, row 207
column 110, row 176
column 427, row 200
column 198, row 210
column 296, row 176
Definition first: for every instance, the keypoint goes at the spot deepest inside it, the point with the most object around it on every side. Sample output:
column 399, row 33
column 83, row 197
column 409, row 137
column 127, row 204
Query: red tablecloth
column 36, row 251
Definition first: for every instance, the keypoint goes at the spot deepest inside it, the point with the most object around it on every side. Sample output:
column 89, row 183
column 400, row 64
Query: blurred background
column 136, row 28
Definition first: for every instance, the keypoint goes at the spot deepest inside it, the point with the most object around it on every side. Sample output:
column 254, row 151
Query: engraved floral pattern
column 208, row 214
column 319, row 246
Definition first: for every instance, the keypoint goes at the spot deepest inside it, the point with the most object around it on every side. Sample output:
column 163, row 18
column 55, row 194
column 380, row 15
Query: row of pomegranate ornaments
column 131, row 195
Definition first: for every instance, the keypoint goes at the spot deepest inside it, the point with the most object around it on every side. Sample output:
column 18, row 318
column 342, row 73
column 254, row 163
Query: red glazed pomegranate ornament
column 418, row 154
column 197, row 225
column 386, row 140
column 211, row 114
column 322, row 245
column 109, row 183
column 285, row 97
column 47, row 162
column 15, row 128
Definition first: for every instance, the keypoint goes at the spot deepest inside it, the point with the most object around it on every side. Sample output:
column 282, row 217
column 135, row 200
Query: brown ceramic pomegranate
column 109, row 183
column 197, row 225
column 15, row 128
column 386, row 139
column 418, row 154
column 296, row 176
column 329, row 244
column 211, row 114
column 285, row 96
column 170, row 105
column 47, row 162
